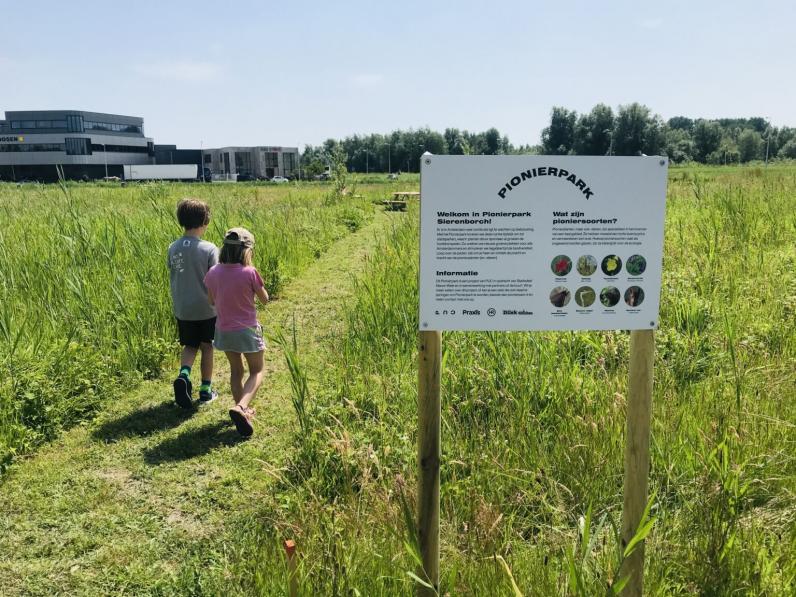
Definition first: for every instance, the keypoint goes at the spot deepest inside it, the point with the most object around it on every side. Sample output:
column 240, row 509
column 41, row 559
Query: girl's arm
column 262, row 294
column 210, row 298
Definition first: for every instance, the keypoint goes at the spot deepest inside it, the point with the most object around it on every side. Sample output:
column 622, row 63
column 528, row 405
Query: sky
column 293, row 73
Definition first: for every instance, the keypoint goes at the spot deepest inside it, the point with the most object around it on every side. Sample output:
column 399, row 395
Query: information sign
column 541, row 242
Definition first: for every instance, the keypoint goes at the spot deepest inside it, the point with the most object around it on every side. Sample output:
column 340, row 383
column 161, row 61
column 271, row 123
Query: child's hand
column 262, row 294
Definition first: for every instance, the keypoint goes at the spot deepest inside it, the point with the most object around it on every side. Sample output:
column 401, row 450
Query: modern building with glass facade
column 85, row 144
column 258, row 162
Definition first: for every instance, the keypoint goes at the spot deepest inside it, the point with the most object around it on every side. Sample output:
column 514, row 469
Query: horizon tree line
column 632, row 130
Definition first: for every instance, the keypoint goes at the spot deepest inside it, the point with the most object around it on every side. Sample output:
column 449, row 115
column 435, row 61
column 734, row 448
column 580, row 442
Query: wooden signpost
column 488, row 225
column 428, row 456
column 637, row 452
column 637, row 455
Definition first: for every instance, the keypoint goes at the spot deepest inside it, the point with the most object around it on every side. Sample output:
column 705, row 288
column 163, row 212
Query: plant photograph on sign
column 636, row 265
column 611, row 265
column 560, row 296
column 561, row 265
column 585, row 296
column 609, row 296
column 587, row 265
column 634, row 296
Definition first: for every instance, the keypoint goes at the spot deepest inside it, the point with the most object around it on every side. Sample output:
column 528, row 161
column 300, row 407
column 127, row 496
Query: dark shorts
column 193, row 333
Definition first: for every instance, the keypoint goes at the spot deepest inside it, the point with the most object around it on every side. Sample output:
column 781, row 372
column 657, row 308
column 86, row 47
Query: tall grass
column 533, row 428
column 84, row 300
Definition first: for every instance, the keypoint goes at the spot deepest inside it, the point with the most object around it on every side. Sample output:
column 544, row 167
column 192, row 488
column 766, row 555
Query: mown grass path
column 119, row 505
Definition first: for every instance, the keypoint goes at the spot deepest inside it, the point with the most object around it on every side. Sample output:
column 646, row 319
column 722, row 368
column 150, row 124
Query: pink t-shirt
column 233, row 286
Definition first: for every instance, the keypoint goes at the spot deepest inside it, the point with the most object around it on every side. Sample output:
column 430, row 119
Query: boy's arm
column 213, row 257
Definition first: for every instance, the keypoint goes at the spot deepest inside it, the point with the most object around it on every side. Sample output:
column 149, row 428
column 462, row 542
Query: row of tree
column 400, row 151
column 632, row 130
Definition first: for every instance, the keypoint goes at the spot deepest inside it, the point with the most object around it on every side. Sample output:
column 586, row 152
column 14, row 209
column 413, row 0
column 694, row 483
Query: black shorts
column 193, row 333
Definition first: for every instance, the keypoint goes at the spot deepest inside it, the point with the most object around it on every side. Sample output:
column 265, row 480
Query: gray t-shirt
column 188, row 261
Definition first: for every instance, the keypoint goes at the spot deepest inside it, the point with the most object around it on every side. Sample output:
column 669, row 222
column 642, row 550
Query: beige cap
column 239, row 236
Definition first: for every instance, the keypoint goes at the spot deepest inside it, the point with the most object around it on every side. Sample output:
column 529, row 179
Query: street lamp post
column 105, row 154
column 611, row 141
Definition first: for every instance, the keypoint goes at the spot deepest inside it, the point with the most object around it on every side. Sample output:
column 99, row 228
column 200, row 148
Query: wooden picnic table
column 399, row 199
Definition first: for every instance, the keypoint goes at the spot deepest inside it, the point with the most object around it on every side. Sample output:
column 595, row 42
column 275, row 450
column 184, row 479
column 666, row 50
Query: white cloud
column 179, row 70
column 366, row 80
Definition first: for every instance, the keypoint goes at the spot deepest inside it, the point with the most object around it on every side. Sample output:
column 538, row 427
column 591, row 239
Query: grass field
column 137, row 500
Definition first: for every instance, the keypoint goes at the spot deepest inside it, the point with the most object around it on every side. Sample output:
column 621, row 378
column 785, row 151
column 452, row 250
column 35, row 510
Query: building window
column 208, row 158
column 100, row 147
column 243, row 163
column 289, row 161
column 114, row 127
column 74, row 124
column 271, row 159
column 77, row 146
column 38, row 124
column 9, row 147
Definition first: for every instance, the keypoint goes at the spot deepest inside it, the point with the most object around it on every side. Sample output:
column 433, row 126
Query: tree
column 559, row 137
column 681, row 123
column 678, row 145
column 788, row 150
column 707, row 138
column 593, row 131
column 493, row 142
column 726, row 153
column 637, row 131
column 750, row 145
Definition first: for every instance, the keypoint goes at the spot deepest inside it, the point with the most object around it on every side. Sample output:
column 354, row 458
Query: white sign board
column 541, row 242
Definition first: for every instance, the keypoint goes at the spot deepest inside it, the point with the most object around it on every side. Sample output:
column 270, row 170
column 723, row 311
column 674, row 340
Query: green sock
column 185, row 371
column 205, row 387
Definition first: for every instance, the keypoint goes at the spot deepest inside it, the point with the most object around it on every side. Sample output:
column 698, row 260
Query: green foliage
column 707, row 138
column 594, row 130
column 788, row 150
column 559, row 137
column 632, row 131
column 750, row 145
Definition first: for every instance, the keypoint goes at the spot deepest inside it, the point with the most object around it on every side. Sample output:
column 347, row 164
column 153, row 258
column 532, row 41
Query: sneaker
column 207, row 397
column 182, row 392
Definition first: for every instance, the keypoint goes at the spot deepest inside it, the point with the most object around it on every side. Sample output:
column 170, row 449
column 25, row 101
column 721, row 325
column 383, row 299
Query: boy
column 189, row 259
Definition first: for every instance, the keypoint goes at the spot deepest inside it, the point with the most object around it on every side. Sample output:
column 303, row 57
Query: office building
column 256, row 162
column 87, row 145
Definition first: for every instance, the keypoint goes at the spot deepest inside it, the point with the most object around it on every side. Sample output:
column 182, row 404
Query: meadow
column 532, row 423
column 533, row 427
column 85, row 310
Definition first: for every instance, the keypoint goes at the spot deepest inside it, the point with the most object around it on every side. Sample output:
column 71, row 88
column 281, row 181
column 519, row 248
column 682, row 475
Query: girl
column 232, row 286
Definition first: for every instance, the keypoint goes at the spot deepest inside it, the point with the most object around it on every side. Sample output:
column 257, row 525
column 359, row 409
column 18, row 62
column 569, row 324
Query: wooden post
column 637, row 453
column 430, row 362
column 292, row 577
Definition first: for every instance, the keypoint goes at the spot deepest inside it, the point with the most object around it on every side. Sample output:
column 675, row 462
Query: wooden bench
column 399, row 200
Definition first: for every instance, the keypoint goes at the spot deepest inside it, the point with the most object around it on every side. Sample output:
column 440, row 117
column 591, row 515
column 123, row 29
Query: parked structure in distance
column 86, row 145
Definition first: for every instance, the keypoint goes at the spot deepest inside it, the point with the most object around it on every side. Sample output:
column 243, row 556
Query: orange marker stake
column 290, row 553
